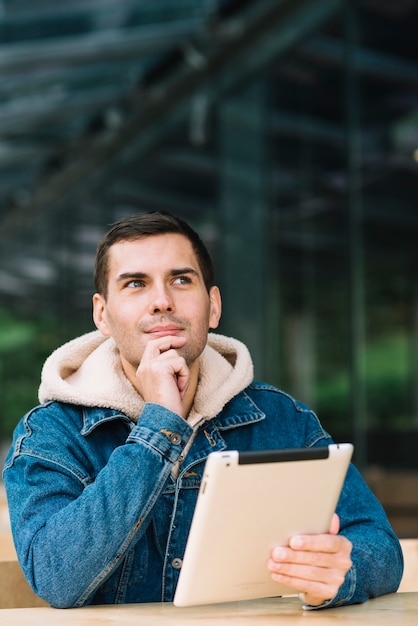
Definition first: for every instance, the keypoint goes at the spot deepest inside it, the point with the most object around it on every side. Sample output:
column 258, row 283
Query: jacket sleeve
column 70, row 535
column 377, row 560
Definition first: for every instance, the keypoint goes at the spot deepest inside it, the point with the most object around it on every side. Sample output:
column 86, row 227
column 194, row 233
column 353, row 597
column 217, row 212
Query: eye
column 182, row 280
column 135, row 284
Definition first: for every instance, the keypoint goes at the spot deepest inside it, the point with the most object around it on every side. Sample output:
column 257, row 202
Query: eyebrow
column 141, row 275
column 183, row 270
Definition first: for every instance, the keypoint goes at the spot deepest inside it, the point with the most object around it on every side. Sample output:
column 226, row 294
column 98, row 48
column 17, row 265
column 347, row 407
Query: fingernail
column 296, row 542
column 279, row 554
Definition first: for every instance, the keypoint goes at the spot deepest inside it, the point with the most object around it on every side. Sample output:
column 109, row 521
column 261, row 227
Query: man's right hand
column 163, row 376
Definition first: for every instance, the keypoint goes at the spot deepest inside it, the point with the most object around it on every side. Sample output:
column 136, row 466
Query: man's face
column 155, row 288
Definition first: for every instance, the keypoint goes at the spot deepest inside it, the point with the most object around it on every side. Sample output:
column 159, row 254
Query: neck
column 190, row 393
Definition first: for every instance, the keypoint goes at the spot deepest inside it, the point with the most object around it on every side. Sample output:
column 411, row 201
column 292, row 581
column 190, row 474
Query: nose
column 161, row 300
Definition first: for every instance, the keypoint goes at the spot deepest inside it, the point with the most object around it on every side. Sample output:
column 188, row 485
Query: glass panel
column 346, row 199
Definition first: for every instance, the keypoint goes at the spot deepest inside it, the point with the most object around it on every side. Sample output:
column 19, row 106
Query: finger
column 155, row 347
column 183, row 377
column 317, row 584
column 171, row 364
column 310, row 542
column 302, row 576
column 334, row 528
column 328, row 543
column 318, row 550
column 305, row 558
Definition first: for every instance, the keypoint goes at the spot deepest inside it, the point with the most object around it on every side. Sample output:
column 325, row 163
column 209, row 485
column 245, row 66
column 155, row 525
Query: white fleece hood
column 87, row 371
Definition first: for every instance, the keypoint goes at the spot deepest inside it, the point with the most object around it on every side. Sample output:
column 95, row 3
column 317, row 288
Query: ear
column 99, row 314
column 215, row 307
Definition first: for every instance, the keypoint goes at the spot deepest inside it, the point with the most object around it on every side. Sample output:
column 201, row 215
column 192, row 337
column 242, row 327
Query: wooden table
column 398, row 608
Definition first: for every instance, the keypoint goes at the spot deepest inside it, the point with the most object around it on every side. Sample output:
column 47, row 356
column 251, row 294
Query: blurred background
column 286, row 133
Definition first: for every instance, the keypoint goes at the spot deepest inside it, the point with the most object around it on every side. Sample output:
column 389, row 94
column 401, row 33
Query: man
column 102, row 477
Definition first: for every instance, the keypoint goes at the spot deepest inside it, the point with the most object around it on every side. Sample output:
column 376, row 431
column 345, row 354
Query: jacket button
column 176, row 563
column 175, row 438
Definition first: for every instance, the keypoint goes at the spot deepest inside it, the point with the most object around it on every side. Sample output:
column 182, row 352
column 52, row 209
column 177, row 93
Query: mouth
column 164, row 331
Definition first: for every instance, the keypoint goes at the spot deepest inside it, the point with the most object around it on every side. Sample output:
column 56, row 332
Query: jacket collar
column 95, row 416
column 87, row 372
column 239, row 411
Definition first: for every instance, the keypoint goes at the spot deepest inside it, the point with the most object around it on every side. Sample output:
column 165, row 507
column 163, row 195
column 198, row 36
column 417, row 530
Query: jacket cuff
column 163, row 430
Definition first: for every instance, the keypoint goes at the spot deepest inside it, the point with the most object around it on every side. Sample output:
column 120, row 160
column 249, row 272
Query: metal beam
column 250, row 47
column 94, row 47
column 366, row 62
column 103, row 11
column 245, row 202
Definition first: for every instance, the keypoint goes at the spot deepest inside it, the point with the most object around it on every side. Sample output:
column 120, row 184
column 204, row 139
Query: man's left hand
column 314, row 565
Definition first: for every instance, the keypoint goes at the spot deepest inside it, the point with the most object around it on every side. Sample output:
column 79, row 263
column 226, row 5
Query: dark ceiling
column 108, row 104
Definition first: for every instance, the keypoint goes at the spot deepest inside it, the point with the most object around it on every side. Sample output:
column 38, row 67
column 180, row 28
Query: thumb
column 183, row 377
column 334, row 528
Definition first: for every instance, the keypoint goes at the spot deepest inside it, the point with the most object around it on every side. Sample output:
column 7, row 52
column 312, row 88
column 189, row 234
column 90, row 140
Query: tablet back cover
column 249, row 503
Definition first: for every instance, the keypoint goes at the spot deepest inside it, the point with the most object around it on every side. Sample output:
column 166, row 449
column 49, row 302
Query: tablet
column 248, row 503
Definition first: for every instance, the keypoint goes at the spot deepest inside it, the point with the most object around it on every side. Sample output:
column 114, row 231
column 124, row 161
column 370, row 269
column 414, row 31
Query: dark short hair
column 142, row 225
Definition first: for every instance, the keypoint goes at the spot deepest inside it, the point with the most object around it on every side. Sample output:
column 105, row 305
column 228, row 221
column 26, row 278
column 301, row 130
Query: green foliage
column 14, row 335
column 24, row 346
column 387, row 376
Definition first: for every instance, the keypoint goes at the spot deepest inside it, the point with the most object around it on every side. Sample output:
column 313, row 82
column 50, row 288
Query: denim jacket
column 99, row 517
